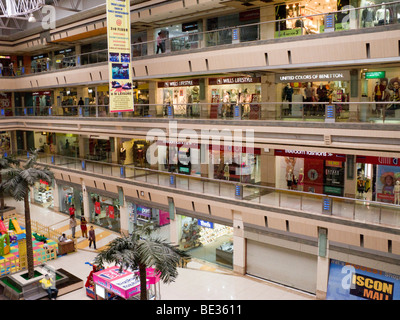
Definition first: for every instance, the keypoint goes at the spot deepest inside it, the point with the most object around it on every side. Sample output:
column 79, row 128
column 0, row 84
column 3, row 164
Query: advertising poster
column 385, row 181
column 119, row 55
column 353, row 282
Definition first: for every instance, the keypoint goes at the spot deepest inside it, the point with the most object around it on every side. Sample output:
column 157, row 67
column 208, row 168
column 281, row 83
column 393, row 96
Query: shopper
column 92, row 238
column 72, row 210
column 49, row 285
column 84, row 227
column 72, row 225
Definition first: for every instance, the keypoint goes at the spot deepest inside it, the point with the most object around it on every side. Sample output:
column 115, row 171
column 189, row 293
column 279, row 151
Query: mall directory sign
column 119, row 55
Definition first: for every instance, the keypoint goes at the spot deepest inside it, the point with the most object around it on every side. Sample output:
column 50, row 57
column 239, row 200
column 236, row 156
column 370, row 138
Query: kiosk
column 111, row 284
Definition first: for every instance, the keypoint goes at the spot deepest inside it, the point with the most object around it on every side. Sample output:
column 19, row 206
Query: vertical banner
column 119, row 55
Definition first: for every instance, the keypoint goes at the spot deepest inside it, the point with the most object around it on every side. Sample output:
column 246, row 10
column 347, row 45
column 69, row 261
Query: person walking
column 84, row 227
column 72, row 210
column 72, row 225
column 92, row 237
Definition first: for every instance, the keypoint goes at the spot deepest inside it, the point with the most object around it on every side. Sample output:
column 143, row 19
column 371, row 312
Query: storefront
column 319, row 87
column 380, row 85
column 98, row 149
column 141, row 99
column 179, row 98
column 235, row 97
column 206, row 240
column 377, row 177
column 232, row 164
column 104, row 210
column 140, row 215
column 40, row 63
column 234, row 28
column 179, row 157
column 178, row 37
column 43, row 194
column 65, row 58
column 5, row 144
column 70, row 194
column 5, row 104
column 67, row 144
column 354, row 282
column 309, row 171
column 309, row 17
column 41, row 100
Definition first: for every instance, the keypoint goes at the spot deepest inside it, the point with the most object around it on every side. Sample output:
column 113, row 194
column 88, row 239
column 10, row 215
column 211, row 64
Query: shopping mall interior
column 259, row 137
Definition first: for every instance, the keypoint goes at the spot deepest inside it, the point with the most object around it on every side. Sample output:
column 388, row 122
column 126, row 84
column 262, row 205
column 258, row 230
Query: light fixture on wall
column 31, row 18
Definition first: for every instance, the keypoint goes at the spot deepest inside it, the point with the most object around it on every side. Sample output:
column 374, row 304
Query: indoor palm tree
column 5, row 162
column 17, row 182
column 140, row 251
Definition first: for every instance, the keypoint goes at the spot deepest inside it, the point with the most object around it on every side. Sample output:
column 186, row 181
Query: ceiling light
column 31, row 18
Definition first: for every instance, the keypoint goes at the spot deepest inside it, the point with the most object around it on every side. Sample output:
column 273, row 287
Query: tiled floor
column 199, row 281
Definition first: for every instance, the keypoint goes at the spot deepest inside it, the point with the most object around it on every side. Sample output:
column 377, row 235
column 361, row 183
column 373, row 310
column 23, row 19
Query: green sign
column 375, row 75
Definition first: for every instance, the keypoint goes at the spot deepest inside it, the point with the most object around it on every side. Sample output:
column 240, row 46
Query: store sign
column 310, row 154
column 205, row 224
column 144, row 212
column 233, row 80
column 375, row 75
column 353, row 282
column 119, row 55
column 388, row 161
column 180, row 83
column 313, row 76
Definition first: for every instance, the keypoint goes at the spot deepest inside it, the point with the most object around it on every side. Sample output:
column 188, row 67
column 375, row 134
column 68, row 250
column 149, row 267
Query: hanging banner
column 119, row 55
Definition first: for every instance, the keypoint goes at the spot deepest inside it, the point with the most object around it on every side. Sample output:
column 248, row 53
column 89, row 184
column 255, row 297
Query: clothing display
column 287, row 94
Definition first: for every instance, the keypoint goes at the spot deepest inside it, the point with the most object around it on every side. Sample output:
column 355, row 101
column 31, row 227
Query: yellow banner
column 119, row 55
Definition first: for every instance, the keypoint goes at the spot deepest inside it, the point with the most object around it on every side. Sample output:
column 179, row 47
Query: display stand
column 66, row 247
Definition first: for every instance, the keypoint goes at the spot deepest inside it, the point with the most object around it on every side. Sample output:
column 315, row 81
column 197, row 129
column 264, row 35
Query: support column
column 355, row 94
column 173, row 225
column 154, row 108
column 350, row 174
column 123, row 212
column 268, row 94
column 239, row 244
column 267, row 164
column 267, row 30
column 85, row 199
column 322, row 264
column 56, row 198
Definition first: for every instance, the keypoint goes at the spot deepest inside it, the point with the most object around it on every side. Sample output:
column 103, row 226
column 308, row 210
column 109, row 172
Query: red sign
column 311, row 154
column 44, row 182
column 387, row 161
column 111, row 212
column 97, row 207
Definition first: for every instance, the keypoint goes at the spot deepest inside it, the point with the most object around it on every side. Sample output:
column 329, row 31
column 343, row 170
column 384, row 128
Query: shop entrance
column 206, row 240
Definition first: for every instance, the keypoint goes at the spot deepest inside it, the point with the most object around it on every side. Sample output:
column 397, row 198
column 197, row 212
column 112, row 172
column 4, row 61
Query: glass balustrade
column 365, row 211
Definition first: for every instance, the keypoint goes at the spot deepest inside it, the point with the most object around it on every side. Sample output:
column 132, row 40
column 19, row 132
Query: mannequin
column 226, row 106
column 300, row 183
column 247, row 101
column 382, row 15
column 367, row 16
column 226, row 171
column 289, row 179
column 290, row 23
column 397, row 192
column 287, row 95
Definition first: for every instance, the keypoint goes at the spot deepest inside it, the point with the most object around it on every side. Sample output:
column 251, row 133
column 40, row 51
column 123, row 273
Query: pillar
column 355, row 94
column 268, row 94
column 322, row 264
column 267, row 30
column 78, row 54
column 123, row 212
column 151, row 45
column 350, row 173
column 155, row 106
column 56, row 198
column 85, row 198
column 239, row 244
column 173, row 222
column 267, row 164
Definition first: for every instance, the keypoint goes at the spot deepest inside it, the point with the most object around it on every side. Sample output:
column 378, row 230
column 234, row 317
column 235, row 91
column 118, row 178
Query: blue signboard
column 205, row 224
column 353, row 282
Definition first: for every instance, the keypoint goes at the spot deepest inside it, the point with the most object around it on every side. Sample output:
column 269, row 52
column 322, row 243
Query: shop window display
column 229, row 93
column 104, row 211
column 43, row 194
column 71, row 196
column 207, row 240
column 381, row 85
column 5, row 142
column 321, row 92
column 183, row 96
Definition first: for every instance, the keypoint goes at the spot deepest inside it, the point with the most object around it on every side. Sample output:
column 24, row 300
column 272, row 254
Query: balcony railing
column 375, row 112
column 335, row 21
column 364, row 211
